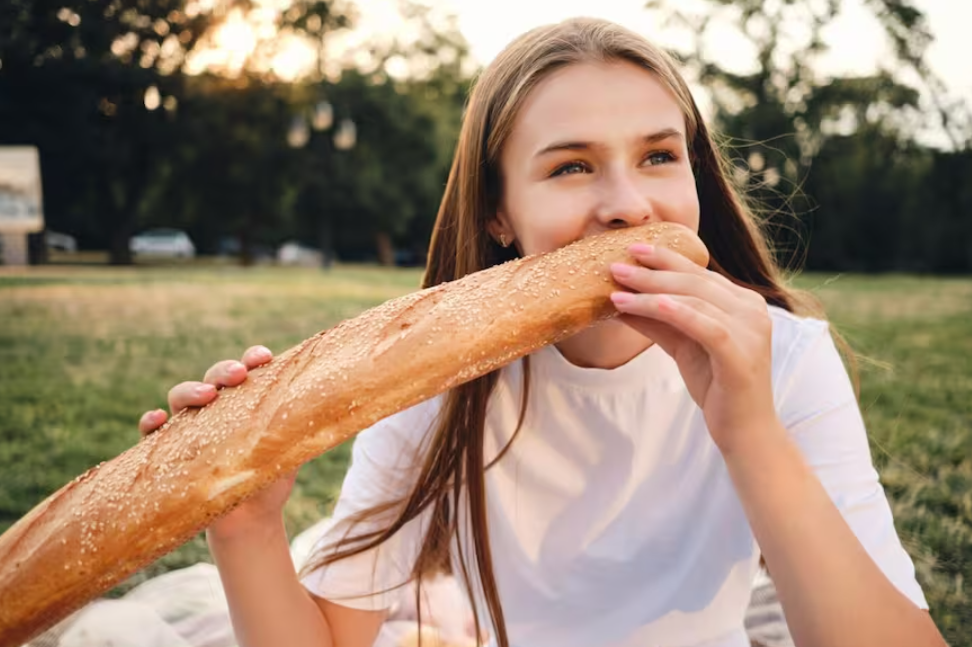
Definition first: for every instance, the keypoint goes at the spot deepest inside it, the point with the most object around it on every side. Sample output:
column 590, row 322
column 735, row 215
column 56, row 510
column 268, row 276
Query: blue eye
column 570, row 168
column 659, row 157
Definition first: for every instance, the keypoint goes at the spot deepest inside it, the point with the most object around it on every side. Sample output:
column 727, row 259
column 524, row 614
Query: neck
column 608, row 344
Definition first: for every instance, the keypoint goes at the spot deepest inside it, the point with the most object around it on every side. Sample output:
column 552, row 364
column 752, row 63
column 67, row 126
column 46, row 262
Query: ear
column 499, row 225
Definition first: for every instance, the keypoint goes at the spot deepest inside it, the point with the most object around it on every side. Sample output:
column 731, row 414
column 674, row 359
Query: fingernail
column 622, row 298
column 205, row 389
column 642, row 249
column 622, row 269
column 263, row 350
column 235, row 367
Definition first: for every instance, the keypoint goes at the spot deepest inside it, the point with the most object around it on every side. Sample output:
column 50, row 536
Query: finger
column 653, row 281
column 663, row 258
column 151, row 420
column 695, row 318
column 226, row 373
column 256, row 356
column 652, row 305
column 190, row 394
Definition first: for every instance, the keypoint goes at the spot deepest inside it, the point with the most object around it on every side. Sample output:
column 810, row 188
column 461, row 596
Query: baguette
column 121, row 515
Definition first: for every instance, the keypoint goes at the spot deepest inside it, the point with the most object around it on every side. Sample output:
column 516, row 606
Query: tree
column 129, row 139
column 907, row 29
column 74, row 81
column 784, row 121
column 231, row 174
column 96, row 85
column 407, row 100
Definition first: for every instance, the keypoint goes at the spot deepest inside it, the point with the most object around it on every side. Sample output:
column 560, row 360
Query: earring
column 503, row 242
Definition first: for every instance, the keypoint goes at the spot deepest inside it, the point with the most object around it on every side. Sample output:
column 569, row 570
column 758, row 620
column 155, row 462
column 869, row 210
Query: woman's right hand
column 266, row 506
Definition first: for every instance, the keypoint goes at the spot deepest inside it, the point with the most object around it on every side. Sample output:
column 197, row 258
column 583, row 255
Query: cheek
column 552, row 230
column 682, row 202
column 544, row 220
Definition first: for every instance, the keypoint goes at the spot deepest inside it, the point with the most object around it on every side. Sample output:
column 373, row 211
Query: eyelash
column 562, row 169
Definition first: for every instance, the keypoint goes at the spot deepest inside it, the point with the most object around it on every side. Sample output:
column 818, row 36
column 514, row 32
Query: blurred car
column 60, row 242
column 294, row 253
column 173, row 243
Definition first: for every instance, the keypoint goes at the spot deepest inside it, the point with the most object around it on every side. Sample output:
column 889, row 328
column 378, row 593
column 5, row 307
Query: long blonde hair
column 453, row 465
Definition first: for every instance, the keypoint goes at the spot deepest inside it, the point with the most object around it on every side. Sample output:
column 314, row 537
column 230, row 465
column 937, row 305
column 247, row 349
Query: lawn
column 84, row 350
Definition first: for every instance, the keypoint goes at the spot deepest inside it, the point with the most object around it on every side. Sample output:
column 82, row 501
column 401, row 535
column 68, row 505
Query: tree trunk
column 120, row 253
column 326, row 241
column 122, row 205
column 37, row 248
column 246, row 247
column 386, row 253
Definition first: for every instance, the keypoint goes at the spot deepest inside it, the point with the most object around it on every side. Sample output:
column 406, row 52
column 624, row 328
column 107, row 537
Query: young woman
column 620, row 487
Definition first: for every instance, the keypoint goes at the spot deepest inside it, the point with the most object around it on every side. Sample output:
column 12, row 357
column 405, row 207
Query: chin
column 607, row 344
column 612, row 335
column 614, row 327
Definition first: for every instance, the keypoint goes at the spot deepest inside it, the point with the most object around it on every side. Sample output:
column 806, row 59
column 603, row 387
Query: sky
column 857, row 41
column 856, row 38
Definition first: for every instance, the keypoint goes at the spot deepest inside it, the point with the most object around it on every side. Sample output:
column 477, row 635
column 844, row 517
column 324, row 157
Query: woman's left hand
column 719, row 334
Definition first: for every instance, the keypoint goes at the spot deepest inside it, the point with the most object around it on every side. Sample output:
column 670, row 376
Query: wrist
column 235, row 527
column 754, row 439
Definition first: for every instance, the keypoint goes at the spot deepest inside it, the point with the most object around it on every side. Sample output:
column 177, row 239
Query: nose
column 622, row 202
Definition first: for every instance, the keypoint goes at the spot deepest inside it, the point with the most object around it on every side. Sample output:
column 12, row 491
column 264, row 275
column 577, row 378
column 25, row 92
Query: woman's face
column 594, row 147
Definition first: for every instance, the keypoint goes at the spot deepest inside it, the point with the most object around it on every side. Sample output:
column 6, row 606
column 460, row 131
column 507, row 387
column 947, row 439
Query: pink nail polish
column 642, row 249
column 621, row 298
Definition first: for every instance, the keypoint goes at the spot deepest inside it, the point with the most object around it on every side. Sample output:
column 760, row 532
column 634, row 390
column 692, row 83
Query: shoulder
column 799, row 345
column 402, row 435
column 384, row 457
column 794, row 334
column 790, row 328
column 808, row 369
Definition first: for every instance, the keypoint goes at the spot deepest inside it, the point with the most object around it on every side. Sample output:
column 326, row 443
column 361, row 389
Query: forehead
column 596, row 102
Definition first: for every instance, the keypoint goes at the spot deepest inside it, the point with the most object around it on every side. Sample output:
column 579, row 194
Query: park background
column 326, row 128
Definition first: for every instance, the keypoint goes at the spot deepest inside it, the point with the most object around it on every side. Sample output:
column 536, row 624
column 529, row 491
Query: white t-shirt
column 613, row 521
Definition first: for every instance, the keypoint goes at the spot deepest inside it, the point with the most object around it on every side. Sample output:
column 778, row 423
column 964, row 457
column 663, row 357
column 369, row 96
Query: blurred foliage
column 128, row 140
column 841, row 154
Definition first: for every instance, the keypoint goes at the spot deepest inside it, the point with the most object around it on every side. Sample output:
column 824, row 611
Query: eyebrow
column 653, row 138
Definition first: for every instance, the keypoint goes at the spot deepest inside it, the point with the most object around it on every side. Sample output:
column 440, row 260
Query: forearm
column 831, row 590
column 268, row 604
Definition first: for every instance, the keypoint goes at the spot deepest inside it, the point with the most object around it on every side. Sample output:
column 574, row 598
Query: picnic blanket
column 187, row 608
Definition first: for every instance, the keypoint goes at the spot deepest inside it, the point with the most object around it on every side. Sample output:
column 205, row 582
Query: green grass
column 914, row 339
column 84, row 350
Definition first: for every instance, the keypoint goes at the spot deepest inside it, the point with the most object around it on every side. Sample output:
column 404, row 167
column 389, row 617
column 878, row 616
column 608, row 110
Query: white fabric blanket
column 187, row 608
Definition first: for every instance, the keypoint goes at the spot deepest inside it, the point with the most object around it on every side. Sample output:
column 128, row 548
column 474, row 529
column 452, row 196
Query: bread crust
column 121, row 515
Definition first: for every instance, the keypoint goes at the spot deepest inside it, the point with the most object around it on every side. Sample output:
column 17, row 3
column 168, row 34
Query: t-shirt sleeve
column 384, row 464
column 818, row 406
